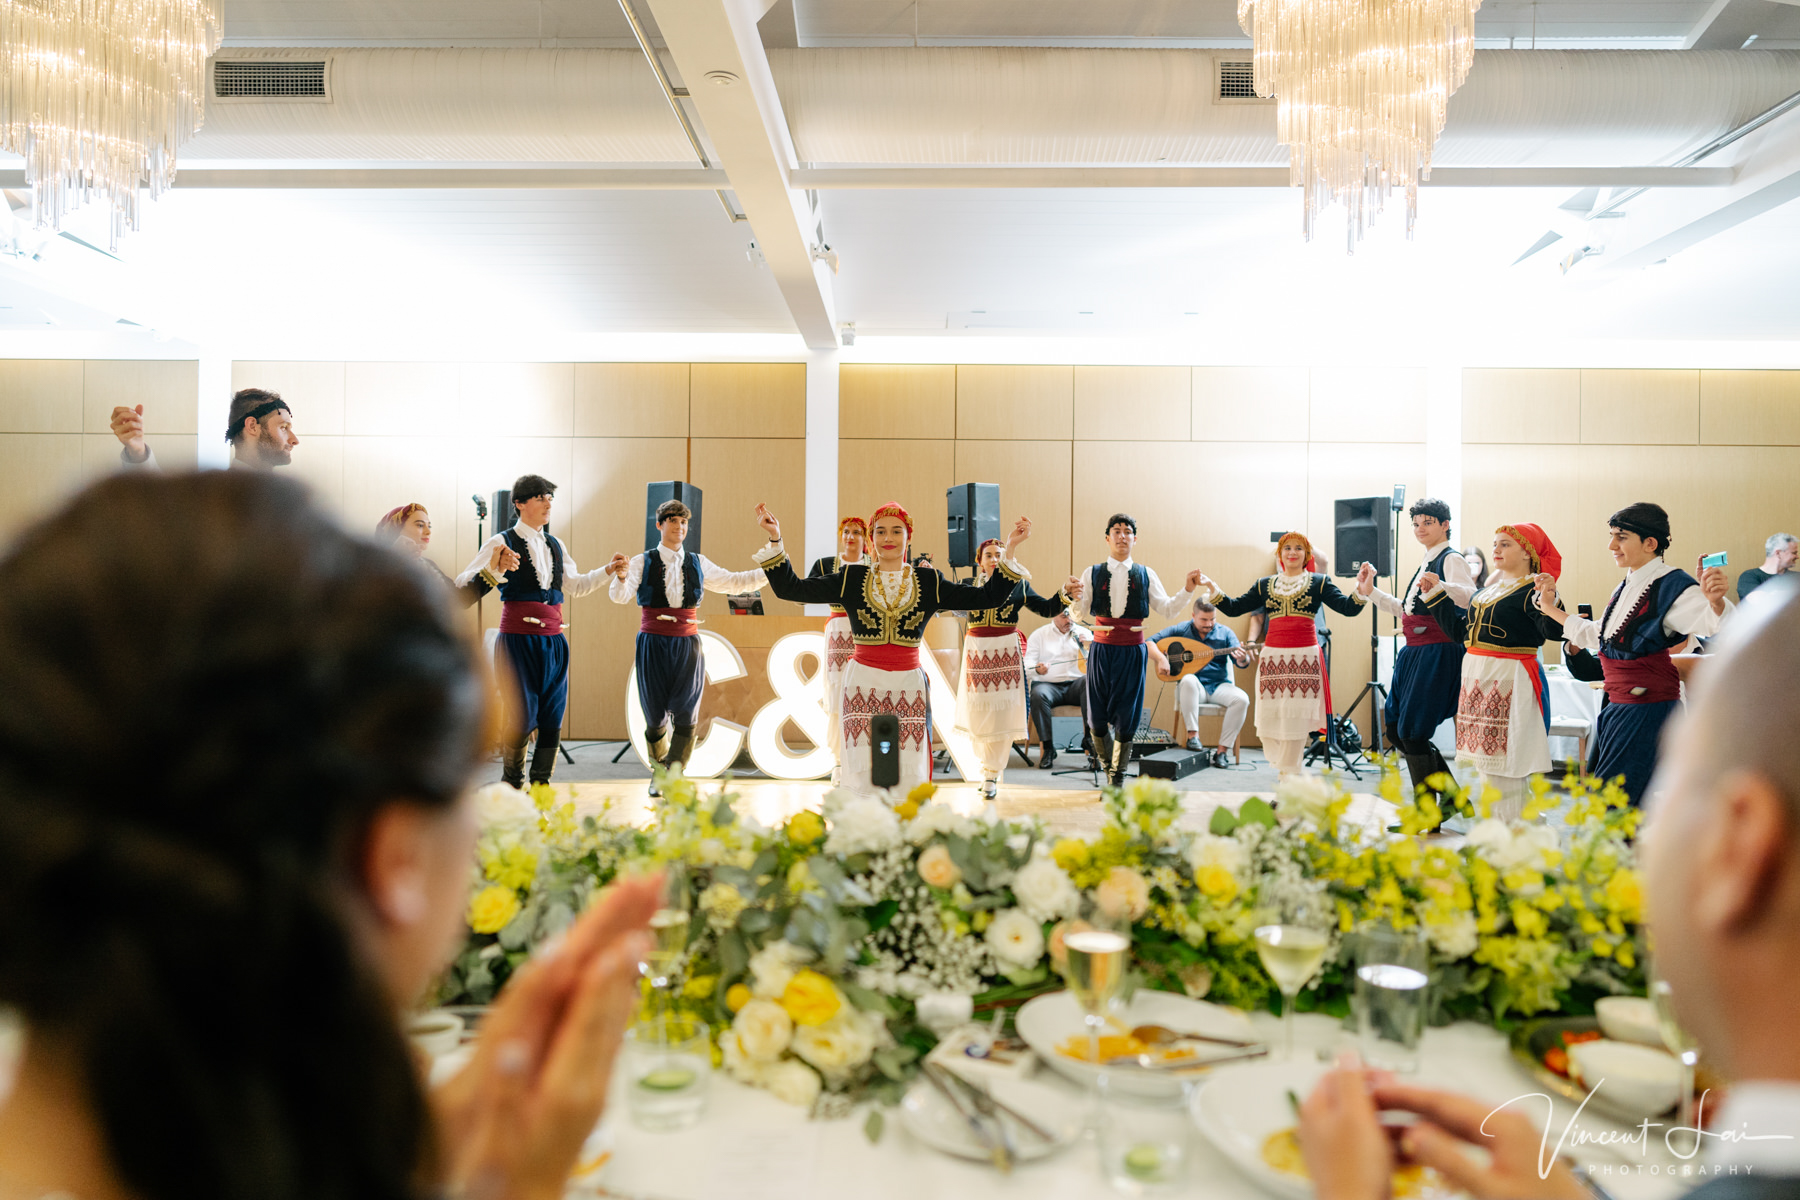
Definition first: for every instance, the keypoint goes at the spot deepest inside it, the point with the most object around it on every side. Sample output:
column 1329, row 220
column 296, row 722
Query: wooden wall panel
column 1750, row 408
column 1129, row 403
column 1515, row 407
column 604, row 500
column 100, row 455
column 1368, row 404
column 1251, row 404
column 315, row 390
column 397, row 399
column 40, row 395
column 1015, row 402
column 748, row 400
column 916, row 474
column 517, row 399
column 382, row 473
column 1509, row 484
column 736, row 474
column 1640, row 407
column 1035, row 481
column 169, row 390
column 880, row 401
column 631, row 399
column 37, row 473
column 319, row 463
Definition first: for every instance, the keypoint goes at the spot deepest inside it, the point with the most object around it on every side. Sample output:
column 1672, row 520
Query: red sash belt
column 1290, row 633
column 992, row 630
column 529, row 616
column 888, row 657
column 1529, row 658
column 1119, row 631
column 838, row 612
column 1422, row 630
column 1651, row 679
column 670, row 622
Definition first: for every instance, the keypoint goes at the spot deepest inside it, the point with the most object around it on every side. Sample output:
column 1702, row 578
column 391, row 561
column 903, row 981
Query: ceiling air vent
column 269, row 79
column 1237, row 80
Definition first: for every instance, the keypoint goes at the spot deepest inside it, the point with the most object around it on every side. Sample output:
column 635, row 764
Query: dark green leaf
column 1223, row 822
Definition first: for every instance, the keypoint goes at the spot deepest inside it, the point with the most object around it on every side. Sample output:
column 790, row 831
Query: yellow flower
column 543, row 795
column 1216, row 884
column 514, row 867
column 491, row 909
column 1625, row 894
column 700, row 987
column 810, row 998
column 1071, row 854
column 906, row 810
column 981, row 920
column 736, row 996
column 805, row 828
column 922, row 793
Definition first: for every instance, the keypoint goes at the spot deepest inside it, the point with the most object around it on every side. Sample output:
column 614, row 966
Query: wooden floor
column 1067, row 812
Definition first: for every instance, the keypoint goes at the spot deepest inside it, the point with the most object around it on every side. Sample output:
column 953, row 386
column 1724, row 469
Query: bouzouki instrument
column 1188, row 657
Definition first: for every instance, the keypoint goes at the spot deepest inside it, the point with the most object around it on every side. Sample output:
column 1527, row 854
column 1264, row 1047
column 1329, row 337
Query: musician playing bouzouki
column 1199, row 653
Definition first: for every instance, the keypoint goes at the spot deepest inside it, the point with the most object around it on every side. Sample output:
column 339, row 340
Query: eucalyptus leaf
column 873, row 1125
column 734, row 956
column 1257, row 811
column 866, row 999
column 1223, row 822
column 722, row 814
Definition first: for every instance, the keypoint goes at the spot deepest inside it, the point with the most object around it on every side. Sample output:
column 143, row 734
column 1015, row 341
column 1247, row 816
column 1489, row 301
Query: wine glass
column 1096, row 974
column 1291, row 953
column 669, row 924
column 1680, row 1043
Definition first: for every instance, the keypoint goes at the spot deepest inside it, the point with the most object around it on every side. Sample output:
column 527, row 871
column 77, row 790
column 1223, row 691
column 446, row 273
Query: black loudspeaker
column 656, row 494
column 505, row 515
column 974, row 518
column 884, row 750
column 1363, row 535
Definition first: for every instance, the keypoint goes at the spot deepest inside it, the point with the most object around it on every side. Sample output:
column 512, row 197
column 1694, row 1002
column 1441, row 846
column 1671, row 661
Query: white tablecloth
column 750, row 1146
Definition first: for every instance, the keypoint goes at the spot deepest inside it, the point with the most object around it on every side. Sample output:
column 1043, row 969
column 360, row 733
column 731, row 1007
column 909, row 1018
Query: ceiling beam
column 717, row 49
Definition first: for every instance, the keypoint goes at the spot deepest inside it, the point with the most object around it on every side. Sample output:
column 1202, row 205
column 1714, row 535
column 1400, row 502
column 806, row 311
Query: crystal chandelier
column 1361, row 87
column 98, row 94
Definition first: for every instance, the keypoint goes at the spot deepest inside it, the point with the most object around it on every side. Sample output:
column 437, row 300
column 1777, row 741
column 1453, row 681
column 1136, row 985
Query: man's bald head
column 1722, row 851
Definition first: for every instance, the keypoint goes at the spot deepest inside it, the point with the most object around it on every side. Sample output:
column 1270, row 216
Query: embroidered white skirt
column 990, row 697
column 868, row 691
column 1499, row 727
column 840, row 647
column 1290, row 693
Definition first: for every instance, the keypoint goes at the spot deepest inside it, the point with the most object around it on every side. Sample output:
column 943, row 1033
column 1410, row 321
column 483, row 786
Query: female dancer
column 990, row 697
column 408, row 530
column 1290, row 677
column 853, row 544
column 1502, row 714
column 887, row 603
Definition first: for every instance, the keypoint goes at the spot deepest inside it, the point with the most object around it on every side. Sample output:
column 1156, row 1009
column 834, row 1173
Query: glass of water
column 1393, row 991
column 668, row 1062
column 1144, row 1142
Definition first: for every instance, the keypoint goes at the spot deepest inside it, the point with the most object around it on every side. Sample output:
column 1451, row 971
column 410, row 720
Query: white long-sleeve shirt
column 1456, row 580
column 1056, row 650
column 1691, row 614
column 713, row 578
column 1118, row 584
column 574, row 583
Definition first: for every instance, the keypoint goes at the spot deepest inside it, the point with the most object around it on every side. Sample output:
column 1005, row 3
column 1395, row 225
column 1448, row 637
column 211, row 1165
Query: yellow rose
column 736, row 996
column 805, row 828
column 937, row 868
column 810, row 998
column 491, row 909
column 1070, row 854
column 1625, row 894
column 1216, row 884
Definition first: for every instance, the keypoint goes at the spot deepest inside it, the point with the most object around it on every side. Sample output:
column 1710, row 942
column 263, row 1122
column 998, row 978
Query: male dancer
column 1118, row 599
column 1655, row 608
column 259, row 427
column 671, row 670
column 531, row 628
column 1428, row 669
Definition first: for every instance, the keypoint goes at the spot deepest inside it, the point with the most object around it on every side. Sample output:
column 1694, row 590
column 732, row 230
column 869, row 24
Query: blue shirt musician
column 1212, row 684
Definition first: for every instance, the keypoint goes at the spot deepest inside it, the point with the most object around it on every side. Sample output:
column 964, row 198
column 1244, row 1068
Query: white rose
column 1045, row 891
column 762, row 1029
column 791, row 1082
column 710, row 852
column 1123, row 893
column 500, row 805
column 1210, row 850
column 1309, row 795
column 1455, row 938
column 1016, row 939
column 840, row 1045
column 861, row 826
column 773, row 966
column 1505, row 849
column 935, row 818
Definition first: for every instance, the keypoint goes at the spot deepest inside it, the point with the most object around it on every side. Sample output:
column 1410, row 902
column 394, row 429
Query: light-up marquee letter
column 799, row 699
column 724, row 739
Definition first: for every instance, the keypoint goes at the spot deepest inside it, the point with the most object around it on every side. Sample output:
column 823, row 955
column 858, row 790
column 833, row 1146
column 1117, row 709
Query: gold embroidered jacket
column 872, row 623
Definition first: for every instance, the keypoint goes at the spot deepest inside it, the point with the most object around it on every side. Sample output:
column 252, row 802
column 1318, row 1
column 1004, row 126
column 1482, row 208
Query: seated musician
column 1212, row 684
column 1053, row 668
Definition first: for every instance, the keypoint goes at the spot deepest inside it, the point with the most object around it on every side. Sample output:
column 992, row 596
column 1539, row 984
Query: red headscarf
column 891, row 509
column 857, row 523
column 1311, row 563
column 395, row 520
column 1544, row 555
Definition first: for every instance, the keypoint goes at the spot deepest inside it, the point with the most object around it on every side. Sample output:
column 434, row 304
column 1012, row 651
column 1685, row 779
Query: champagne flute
column 1680, row 1043
column 669, row 924
column 1291, row 954
column 1096, row 974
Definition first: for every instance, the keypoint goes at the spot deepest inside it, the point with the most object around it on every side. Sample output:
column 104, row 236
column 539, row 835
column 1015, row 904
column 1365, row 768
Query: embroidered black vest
column 1137, row 591
column 1641, row 633
column 652, row 587
column 522, row 582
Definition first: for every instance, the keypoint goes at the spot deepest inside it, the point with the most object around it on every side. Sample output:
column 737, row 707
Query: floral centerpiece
column 812, row 944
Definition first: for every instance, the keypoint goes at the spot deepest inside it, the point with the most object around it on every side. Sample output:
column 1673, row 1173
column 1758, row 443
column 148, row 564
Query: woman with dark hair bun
column 235, row 840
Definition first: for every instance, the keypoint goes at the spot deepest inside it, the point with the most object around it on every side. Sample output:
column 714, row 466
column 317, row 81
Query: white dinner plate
column 929, row 1117
column 1047, row 1021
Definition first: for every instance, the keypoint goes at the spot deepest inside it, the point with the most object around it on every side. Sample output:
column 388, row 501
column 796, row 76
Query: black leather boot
column 1121, row 758
column 681, row 746
column 1100, row 751
column 543, row 758
column 512, row 765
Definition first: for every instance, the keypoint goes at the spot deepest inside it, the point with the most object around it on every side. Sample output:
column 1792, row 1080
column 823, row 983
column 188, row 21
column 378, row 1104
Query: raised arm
column 779, row 571
column 576, row 584
column 627, row 573
column 1167, row 605
column 715, row 578
column 1337, row 602
column 1046, row 606
column 1237, row 606
column 972, row 597
column 482, row 566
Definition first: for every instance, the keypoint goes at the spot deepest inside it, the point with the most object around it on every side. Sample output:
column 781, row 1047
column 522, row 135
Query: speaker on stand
column 657, row 494
column 1367, row 530
column 974, row 511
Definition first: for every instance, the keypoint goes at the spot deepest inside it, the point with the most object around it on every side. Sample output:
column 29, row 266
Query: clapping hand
column 1712, row 586
column 128, row 427
column 513, row 1121
column 1020, row 531
column 767, row 520
column 618, row 565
